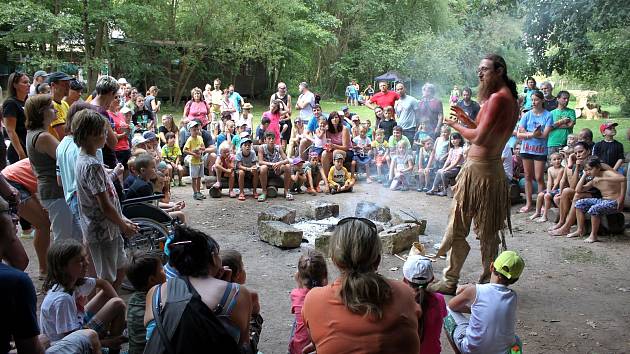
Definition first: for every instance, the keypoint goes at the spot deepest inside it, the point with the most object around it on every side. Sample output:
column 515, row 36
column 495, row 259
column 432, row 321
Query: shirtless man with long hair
column 481, row 192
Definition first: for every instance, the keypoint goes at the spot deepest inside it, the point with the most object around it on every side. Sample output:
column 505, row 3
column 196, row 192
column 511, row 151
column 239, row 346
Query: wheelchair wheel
column 151, row 237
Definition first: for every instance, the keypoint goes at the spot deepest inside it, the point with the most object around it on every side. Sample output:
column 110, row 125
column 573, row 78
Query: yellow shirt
column 62, row 112
column 193, row 144
column 338, row 177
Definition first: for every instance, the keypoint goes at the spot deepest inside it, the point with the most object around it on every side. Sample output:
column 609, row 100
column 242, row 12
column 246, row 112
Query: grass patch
column 583, row 255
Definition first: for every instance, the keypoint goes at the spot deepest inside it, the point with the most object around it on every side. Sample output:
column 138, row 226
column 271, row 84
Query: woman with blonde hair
column 361, row 311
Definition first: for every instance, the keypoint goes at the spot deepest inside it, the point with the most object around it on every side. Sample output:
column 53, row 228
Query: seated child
column 451, row 168
column 224, row 167
column 233, row 260
column 492, row 307
column 555, row 174
column 298, row 176
column 132, row 175
column 418, row 273
column 362, row 145
column 379, row 150
column 174, row 210
column 141, row 187
column 297, row 134
column 425, row 169
column 259, row 137
column 144, row 272
column 571, row 140
column 441, row 146
column 315, row 173
column 312, row 272
column 172, row 154
column 611, row 184
column 402, row 165
column 368, row 126
column 226, row 136
column 66, row 308
column 319, row 136
column 339, row 179
column 420, row 136
column 273, row 163
column 247, row 164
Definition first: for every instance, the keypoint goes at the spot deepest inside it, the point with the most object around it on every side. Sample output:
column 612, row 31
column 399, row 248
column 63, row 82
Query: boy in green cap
column 492, row 307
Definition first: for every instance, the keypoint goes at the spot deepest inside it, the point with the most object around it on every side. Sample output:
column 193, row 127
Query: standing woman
column 337, row 138
column 533, row 130
column 14, row 119
column 42, row 152
column 361, row 311
column 196, row 108
column 228, row 107
column 274, row 115
column 152, row 103
column 122, row 129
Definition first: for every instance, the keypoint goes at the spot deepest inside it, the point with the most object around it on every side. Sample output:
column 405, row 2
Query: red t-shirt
column 120, row 124
column 385, row 99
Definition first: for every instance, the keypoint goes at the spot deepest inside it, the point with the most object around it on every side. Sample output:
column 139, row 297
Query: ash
column 313, row 228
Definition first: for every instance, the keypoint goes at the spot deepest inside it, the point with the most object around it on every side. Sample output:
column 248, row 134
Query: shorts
column 195, row 171
column 349, row 156
column 61, row 220
column 108, row 257
column 553, row 192
column 362, row 160
column 354, row 96
column 318, row 150
column 534, row 157
column 455, row 326
column 24, row 193
column 597, row 206
column 271, row 173
column 73, row 343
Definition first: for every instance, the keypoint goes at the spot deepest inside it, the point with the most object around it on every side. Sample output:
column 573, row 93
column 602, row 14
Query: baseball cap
column 356, row 117
column 605, row 126
column 344, row 108
column 138, row 139
column 297, row 160
column 192, row 123
column 509, row 264
column 125, row 110
column 39, row 73
column 244, row 134
column 313, row 154
column 149, row 135
column 57, row 76
column 418, row 270
column 339, row 156
column 122, row 81
column 246, row 140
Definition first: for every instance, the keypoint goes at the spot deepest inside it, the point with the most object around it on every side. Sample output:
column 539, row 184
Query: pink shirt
column 275, row 124
column 197, row 110
column 120, row 124
column 300, row 335
column 433, row 319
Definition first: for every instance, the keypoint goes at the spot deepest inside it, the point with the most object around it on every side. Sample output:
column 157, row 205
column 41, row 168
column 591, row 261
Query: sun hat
column 418, row 270
column 297, row 160
column 39, row 73
column 248, row 105
column 125, row 110
column 509, row 264
column 122, row 81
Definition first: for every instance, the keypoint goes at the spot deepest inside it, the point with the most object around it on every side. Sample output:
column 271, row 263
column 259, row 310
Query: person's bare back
column 608, row 184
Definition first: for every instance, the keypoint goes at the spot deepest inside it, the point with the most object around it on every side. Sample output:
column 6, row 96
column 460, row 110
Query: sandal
column 216, row 185
column 255, row 195
column 289, row 196
column 241, row 197
column 262, row 197
column 232, row 194
column 318, row 189
column 311, row 191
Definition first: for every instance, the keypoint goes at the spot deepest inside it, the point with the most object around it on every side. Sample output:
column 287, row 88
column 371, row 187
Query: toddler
column 362, row 145
column 195, row 148
column 339, row 179
column 314, row 173
column 172, row 154
column 402, row 165
column 380, row 146
column 451, row 167
column 224, row 167
column 312, row 272
column 555, row 174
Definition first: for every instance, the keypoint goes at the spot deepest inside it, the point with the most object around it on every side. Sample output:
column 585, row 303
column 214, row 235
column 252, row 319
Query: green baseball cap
column 509, row 264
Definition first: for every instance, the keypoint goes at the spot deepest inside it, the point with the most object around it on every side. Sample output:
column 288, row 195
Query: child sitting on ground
column 402, row 165
column 418, row 273
column 195, row 148
column 172, row 154
column 144, row 272
column 224, row 167
column 440, row 151
column 555, row 174
column 312, row 272
column 612, row 187
column 380, row 146
column 491, row 327
column 362, row 145
column 298, row 176
column 174, row 210
column 425, row 170
column 66, row 308
column 273, row 163
column 247, row 164
column 315, row 173
column 339, row 179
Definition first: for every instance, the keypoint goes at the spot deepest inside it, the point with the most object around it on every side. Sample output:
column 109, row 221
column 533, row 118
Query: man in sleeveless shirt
column 283, row 95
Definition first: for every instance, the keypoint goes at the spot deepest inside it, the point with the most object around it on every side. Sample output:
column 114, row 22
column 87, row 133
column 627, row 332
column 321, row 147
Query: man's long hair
column 500, row 62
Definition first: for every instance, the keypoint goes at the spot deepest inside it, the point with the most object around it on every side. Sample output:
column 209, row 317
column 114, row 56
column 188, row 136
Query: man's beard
column 487, row 88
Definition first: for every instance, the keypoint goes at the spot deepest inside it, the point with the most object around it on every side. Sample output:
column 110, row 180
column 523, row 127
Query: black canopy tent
column 392, row 77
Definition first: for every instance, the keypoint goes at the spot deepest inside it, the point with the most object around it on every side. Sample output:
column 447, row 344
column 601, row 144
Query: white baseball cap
column 418, row 270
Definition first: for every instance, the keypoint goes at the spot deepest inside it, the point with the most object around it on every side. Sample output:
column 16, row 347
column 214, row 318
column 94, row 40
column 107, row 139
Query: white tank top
column 491, row 329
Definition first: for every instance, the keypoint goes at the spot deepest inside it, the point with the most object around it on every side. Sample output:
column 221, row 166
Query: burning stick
column 399, row 257
column 458, row 114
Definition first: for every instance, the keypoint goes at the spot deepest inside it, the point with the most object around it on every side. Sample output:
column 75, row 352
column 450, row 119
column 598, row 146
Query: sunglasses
column 368, row 222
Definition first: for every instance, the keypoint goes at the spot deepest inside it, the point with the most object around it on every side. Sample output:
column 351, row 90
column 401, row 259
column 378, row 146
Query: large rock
column 400, row 237
column 611, row 224
column 321, row 209
column 373, row 211
column 279, row 234
column 277, row 213
column 322, row 243
column 400, row 217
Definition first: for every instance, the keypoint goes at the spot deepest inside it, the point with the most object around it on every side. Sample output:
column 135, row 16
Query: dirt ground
column 573, row 297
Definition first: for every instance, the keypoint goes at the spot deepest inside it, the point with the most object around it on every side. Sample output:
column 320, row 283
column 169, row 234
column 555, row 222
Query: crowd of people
column 72, row 160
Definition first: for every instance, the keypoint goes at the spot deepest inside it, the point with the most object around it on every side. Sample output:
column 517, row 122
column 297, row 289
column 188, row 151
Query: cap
column 344, row 108
column 39, row 73
column 138, row 139
column 122, row 81
column 192, row 123
column 246, row 140
column 297, row 160
column 125, row 110
column 339, row 156
column 356, row 117
column 244, row 134
column 248, row 106
column 509, row 264
column 149, row 135
column 605, row 126
column 313, row 154
column 418, row 270
column 57, row 76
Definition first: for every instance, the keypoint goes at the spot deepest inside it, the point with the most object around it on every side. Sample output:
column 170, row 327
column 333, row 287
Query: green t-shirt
column 558, row 137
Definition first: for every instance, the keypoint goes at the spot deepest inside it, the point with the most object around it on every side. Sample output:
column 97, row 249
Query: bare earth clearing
column 573, row 297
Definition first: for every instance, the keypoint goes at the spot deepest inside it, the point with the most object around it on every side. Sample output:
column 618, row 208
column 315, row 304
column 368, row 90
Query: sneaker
column 196, row 196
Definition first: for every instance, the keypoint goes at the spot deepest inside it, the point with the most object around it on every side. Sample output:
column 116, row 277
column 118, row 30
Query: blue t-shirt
column 18, row 302
column 313, row 123
column 527, row 104
column 236, row 98
column 530, row 121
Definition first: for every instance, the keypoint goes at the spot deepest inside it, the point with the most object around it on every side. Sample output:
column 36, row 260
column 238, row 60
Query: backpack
column 185, row 324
